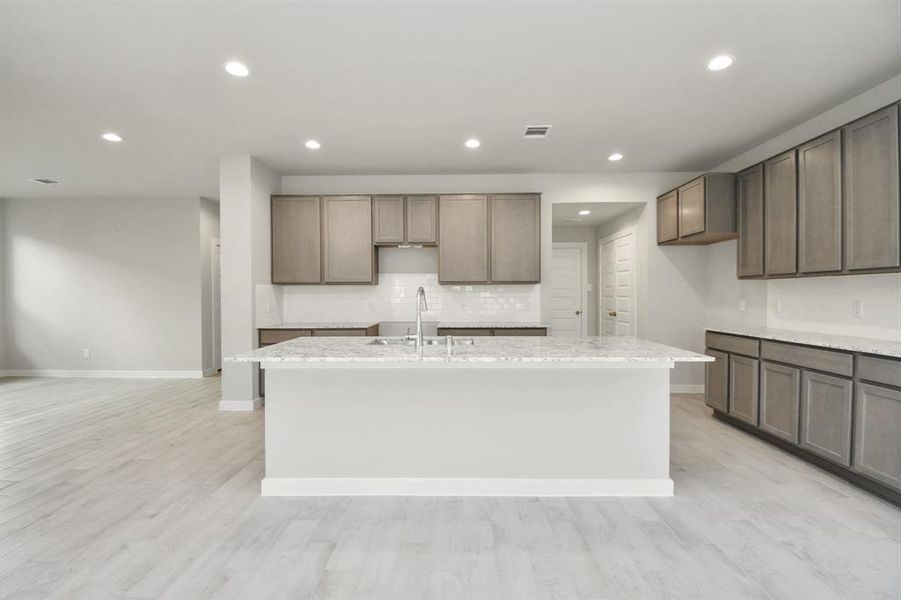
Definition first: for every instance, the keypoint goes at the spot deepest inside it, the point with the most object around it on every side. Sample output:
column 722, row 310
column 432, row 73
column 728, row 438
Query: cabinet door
column 781, row 214
column 691, row 208
column 743, row 388
column 716, row 381
column 296, row 249
column 388, row 219
column 347, row 239
column 668, row 217
column 826, row 416
column 872, row 204
column 463, row 235
column 780, row 400
column 750, row 222
column 422, row 219
column 820, row 205
column 877, row 443
column 515, row 244
column 462, row 331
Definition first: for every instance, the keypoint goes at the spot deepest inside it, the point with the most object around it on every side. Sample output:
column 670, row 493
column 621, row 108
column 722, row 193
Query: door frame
column 601, row 241
column 216, row 315
column 583, row 247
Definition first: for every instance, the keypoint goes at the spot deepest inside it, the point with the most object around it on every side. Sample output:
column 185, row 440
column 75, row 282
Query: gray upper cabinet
column 780, row 210
column 877, row 445
column 820, row 205
column 515, row 238
column 388, row 219
column 421, row 219
column 780, row 399
column 826, row 416
column 749, row 187
column 872, row 203
column 700, row 212
column 348, row 255
column 716, row 383
column 463, row 235
column 668, row 217
column 743, row 388
column 691, row 208
column 296, row 249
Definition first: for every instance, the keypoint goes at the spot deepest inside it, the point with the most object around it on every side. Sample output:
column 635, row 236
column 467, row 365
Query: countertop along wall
column 117, row 275
column 822, row 304
column 671, row 311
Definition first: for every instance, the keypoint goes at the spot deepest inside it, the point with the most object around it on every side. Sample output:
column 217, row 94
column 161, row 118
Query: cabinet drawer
column 881, row 370
column 524, row 331
column 339, row 332
column 275, row 336
column 830, row 361
column 733, row 343
column 462, row 331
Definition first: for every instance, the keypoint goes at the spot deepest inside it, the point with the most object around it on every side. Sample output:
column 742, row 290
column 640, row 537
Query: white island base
column 472, row 429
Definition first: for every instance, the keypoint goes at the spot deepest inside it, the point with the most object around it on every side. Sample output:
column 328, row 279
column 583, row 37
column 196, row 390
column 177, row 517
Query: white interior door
column 618, row 285
column 567, row 290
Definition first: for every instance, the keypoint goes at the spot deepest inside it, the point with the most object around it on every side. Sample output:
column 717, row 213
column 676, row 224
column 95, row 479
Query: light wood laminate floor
column 142, row 489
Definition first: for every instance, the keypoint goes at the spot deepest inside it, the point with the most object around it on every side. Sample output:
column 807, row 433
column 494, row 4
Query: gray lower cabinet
column 421, row 220
column 388, row 217
column 781, row 214
column 826, row 416
column 716, row 381
column 877, row 442
column 743, row 388
column 515, row 238
column 296, row 248
column 348, row 255
column 463, row 235
column 871, row 191
column 749, row 189
column 668, row 217
column 780, row 400
column 820, row 205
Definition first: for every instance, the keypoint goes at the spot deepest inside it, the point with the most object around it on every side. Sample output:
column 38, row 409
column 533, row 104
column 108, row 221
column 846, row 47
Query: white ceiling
column 396, row 87
column 566, row 214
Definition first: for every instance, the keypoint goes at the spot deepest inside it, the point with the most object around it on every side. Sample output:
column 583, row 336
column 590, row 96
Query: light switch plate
column 742, row 305
column 857, row 309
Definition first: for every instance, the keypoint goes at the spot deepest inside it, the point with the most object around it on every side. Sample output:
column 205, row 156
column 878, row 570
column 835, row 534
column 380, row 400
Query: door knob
column 578, row 312
column 612, row 313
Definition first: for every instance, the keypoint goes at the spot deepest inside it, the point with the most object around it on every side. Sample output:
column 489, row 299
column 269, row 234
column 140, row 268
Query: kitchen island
column 501, row 416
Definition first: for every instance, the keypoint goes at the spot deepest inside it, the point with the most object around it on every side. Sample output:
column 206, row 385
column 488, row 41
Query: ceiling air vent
column 43, row 180
column 536, row 131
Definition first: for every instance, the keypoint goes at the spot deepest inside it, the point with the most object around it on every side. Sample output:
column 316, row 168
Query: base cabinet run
column 838, row 409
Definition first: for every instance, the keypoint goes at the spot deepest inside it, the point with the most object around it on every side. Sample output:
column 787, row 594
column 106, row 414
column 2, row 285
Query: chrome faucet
column 421, row 305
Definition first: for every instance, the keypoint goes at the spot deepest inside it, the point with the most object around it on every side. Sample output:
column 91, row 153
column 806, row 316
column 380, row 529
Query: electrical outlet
column 86, row 353
column 778, row 307
column 857, row 309
column 742, row 305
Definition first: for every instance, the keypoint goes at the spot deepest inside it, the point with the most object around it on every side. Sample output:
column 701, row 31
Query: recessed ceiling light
column 43, row 180
column 238, row 69
column 473, row 143
column 615, row 157
column 584, row 212
column 112, row 136
column 718, row 63
column 313, row 145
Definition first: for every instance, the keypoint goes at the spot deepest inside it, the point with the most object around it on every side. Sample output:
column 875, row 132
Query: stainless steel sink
column 411, row 341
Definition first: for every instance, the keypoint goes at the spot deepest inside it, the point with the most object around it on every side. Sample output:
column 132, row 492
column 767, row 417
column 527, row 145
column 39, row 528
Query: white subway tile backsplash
column 394, row 299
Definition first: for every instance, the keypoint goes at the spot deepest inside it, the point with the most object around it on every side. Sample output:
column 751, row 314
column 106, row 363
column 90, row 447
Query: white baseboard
column 106, row 374
column 241, row 405
column 686, row 388
column 210, row 372
column 421, row 486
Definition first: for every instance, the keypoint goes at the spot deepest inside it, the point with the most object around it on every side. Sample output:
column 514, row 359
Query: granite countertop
column 810, row 338
column 493, row 325
column 326, row 325
column 483, row 350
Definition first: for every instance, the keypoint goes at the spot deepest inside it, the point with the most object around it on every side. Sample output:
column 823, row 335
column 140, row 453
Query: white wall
column 245, row 185
column 3, row 300
column 209, row 231
column 117, row 275
column 821, row 304
column 673, row 310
